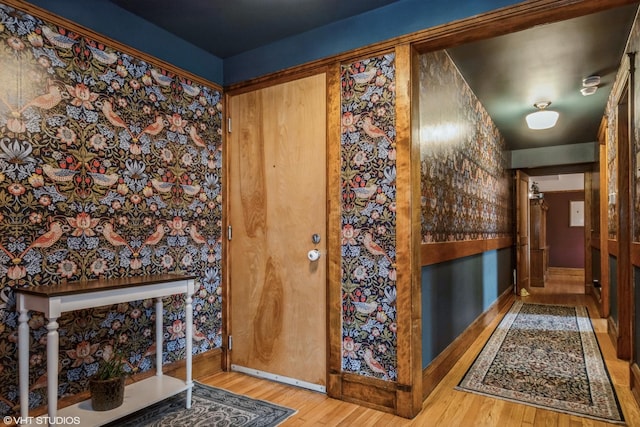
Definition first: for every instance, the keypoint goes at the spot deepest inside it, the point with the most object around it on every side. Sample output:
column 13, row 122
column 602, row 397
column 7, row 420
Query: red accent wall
column 566, row 244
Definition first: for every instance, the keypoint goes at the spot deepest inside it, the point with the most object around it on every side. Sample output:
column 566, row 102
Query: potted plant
column 107, row 385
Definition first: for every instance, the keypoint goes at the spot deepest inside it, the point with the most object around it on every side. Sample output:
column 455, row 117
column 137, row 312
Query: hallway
column 445, row 406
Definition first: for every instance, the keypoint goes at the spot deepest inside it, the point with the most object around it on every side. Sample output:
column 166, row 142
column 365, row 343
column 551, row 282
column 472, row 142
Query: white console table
column 57, row 299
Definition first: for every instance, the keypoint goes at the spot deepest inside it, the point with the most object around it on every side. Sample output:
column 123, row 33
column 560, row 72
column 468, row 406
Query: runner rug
column 546, row 356
column 210, row 406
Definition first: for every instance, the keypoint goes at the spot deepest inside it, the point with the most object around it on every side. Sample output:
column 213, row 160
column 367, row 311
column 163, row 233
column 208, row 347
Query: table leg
column 23, row 359
column 189, row 344
column 159, row 333
column 52, row 369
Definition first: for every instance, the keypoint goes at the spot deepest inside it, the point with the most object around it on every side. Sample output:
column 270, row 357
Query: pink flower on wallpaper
column 45, row 200
column 35, row 39
column 178, row 226
column 350, row 347
column 360, row 158
column 16, row 272
column 135, row 263
column 166, row 155
column 36, row 180
column 349, row 235
column 83, row 353
column 67, row 268
column 16, row 125
column 99, row 142
column 176, row 123
column 349, row 122
column 187, row 260
column 177, row 329
column 82, row 96
column 99, row 266
column 35, row 218
column 16, row 189
column 66, row 135
column 83, row 224
column 15, row 43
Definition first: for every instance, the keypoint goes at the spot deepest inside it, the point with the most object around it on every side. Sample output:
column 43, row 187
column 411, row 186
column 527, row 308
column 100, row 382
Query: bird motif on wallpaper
column 117, row 240
column 165, row 187
column 153, row 129
column 155, row 237
column 365, row 192
column 197, row 237
column 166, row 80
column 64, row 42
column 372, row 363
column 65, row 175
column 374, row 131
column 46, row 240
column 45, row 102
column 365, row 76
column 112, row 237
column 365, row 307
column 373, row 247
column 197, row 139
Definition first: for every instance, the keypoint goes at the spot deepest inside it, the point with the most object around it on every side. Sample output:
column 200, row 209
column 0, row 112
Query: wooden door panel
column 277, row 181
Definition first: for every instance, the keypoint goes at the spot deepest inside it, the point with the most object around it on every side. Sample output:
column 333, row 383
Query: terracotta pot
column 106, row 394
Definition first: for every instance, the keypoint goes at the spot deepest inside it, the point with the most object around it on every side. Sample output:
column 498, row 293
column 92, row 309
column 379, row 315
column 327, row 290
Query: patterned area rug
column 546, row 356
column 210, row 406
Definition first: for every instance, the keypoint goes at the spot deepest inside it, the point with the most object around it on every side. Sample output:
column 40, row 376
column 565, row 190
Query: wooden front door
column 277, row 202
column 522, row 231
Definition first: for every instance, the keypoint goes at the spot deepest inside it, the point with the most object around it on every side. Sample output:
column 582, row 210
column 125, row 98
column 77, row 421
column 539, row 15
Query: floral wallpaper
column 368, row 178
column 465, row 183
column 109, row 166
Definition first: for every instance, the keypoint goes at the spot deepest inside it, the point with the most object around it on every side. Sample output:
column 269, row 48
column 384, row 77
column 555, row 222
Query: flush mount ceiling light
column 590, row 85
column 591, row 81
column 586, row 91
column 542, row 119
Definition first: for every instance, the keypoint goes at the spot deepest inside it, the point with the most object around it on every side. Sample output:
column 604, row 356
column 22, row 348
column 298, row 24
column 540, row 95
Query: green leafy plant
column 113, row 364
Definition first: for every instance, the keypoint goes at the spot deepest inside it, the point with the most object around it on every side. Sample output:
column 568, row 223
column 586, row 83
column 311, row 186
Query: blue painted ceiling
column 229, row 27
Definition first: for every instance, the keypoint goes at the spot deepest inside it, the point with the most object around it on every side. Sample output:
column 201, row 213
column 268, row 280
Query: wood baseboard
column 369, row 392
column 634, row 370
column 442, row 364
column 612, row 331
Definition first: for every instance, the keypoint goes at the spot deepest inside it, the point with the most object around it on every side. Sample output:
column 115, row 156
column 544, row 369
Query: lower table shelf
column 138, row 395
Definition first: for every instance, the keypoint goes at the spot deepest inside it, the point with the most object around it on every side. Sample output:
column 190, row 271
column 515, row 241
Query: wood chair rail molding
column 434, row 253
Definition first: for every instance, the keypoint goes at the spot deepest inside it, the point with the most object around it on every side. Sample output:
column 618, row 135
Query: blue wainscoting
column 455, row 293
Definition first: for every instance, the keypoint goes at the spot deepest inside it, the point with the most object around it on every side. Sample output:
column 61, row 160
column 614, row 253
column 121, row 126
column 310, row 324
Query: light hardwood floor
column 445, row 406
